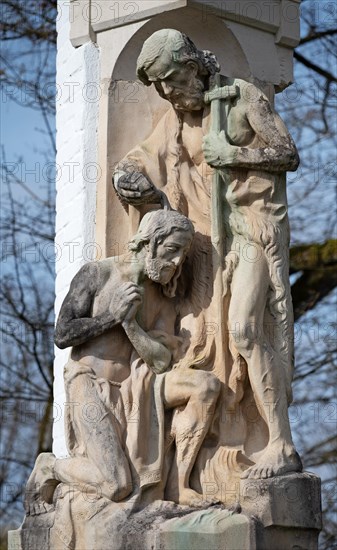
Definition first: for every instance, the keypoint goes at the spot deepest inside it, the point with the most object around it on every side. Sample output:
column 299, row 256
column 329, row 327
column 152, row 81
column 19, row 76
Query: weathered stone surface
column 210, row 529
column 284, row 538
column 288, row 510
column 180, row 370
column 29, row 539
column 284, row 501
column 160, row 526
column 34, row 533
column 102, row 15
column 282, row 513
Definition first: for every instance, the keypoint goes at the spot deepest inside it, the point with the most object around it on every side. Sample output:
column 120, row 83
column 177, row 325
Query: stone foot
column 41, row 486
column 275, row 461
column 189, row 497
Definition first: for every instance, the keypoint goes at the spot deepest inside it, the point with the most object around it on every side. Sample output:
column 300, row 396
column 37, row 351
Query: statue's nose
column 178, row 259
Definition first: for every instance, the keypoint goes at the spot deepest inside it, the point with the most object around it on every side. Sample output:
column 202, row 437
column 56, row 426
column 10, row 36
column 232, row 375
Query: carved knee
column 116, row 492
column 208, row 387
column 243, row 346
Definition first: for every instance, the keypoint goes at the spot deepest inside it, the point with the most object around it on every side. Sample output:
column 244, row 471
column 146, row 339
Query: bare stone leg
column 78, row 472
column 266, row 377
column 198, row 391
column 102, row 459
column 98, row 463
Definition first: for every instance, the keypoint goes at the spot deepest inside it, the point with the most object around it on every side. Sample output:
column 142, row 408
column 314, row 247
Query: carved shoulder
column 78, row 302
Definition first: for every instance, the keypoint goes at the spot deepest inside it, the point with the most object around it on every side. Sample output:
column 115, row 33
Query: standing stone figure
column 120, row 318
column 251, row 154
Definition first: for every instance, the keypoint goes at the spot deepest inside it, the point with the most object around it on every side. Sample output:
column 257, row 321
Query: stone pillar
column 78, row 87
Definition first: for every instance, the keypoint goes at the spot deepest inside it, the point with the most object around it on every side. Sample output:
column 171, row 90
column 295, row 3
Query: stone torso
column 245, row 191
column 109, row 354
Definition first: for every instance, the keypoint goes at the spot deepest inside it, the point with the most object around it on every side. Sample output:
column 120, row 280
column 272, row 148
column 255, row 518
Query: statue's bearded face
column 163, row 261
column 183, row 88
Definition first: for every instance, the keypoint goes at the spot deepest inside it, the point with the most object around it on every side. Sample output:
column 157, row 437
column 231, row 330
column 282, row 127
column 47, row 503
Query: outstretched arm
column 278, row 152
column 75, row 325
column 143, row 170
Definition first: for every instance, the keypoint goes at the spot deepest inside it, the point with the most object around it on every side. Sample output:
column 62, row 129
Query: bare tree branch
column 314, row 67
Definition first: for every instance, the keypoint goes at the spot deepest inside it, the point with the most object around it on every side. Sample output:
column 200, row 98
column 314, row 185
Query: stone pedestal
column 211, row 529
column 288, row 510
column 34, row 533
column 282, row 513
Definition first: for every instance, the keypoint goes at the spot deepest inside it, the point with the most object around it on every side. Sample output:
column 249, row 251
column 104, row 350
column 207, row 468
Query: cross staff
column 214, row 96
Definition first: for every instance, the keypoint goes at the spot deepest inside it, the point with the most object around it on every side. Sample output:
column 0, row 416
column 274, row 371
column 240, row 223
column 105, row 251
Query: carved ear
column 193, row 67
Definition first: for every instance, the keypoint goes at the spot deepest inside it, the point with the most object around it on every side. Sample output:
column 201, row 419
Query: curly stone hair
column 158, row 224
column 172, row 45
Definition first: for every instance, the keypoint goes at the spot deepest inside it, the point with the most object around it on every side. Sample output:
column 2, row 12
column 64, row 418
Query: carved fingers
column 125, row 302
column 136, row 189
column 217, row 151
column 134, row 300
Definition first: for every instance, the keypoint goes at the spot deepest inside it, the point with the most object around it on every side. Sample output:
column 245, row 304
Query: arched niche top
column 134, row 109
column 211, row 34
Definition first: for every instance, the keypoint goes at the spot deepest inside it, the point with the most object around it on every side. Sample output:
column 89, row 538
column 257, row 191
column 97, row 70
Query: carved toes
column 38, row 508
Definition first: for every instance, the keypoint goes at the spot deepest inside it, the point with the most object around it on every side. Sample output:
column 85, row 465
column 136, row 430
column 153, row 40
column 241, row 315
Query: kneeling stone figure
column 120, row 318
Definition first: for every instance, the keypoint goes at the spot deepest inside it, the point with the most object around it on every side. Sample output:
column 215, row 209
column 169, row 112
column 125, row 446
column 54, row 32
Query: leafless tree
column 309, row 108
column 28, row 32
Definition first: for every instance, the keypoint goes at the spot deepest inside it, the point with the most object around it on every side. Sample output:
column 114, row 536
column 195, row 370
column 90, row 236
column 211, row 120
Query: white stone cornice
column 277, row 17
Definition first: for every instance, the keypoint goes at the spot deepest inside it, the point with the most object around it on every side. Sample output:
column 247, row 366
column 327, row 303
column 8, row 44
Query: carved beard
column 153, row 266
column 190, row 98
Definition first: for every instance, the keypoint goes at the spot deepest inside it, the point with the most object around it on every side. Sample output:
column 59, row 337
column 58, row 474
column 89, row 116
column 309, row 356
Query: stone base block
column 281, row 513
column 29, row 539
column 211, row 529
column 283, row 538
column 288, row 510
column 293, row 500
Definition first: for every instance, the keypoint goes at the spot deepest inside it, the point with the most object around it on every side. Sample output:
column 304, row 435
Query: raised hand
column 135, row 188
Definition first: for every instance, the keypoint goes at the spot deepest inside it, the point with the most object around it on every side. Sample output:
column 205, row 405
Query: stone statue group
column 181, row 358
